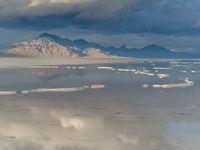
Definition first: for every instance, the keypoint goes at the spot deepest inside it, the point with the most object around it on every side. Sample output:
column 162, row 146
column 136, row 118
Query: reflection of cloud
column 73, row 122
column 49, row 127
column 34, row 110
column 78, row 122
column 26, row 146
column 128, row 140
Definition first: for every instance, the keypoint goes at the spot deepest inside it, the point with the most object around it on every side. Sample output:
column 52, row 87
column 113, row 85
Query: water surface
column 124, row 112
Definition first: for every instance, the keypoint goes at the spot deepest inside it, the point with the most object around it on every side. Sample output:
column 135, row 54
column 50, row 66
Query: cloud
column 38, row 3
column 59, row 13
column 30, row 8
column 119, row 16
column 35, row 3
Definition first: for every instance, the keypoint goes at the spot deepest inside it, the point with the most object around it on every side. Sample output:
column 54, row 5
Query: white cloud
column 70, row 1
column 87, row 8
column 35, row 3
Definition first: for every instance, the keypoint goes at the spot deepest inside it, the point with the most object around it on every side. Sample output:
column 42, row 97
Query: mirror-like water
column 145, row 105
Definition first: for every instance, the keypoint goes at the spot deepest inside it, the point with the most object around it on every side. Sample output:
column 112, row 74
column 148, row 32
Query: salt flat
column 44, row 61
column 21, row 62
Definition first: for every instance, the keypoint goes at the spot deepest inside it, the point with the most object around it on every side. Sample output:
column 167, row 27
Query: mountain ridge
column 47, row 44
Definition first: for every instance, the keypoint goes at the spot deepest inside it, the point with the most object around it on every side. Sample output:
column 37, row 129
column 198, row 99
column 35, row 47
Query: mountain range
column 50, row 45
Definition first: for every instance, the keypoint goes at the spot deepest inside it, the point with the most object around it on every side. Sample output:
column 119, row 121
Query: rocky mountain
column 40, row 47
column 150, row 51
column 94, row 52
column 49, row 45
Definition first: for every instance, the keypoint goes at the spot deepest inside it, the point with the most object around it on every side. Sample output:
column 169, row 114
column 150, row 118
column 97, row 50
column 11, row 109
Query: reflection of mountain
column 51, row 45
column 54, row 75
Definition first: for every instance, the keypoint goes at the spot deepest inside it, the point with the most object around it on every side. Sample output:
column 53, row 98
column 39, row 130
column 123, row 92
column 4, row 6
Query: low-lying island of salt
column 97, row 86
column 62, row 90
column 161, row 76
column 123, row 70
column 105, row 68
column 7, row 93
column 52, row 90
column 137, row 72
column 187, row 83
column 161, row 68
column 144, row 72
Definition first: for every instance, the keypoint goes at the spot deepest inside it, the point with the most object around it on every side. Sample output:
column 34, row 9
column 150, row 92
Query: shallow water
column 112, row 111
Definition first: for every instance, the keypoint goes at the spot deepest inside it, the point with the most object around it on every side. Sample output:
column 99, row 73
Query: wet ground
column 120, row 106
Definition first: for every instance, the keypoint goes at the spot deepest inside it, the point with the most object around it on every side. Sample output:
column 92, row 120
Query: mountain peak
column 49, row 36
column 123, row 47
column 155, row 48
column 81, row 41
column 55, row 38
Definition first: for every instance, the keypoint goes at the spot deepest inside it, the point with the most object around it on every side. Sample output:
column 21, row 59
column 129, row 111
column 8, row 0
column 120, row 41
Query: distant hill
column 49, row 45
column 150, row 51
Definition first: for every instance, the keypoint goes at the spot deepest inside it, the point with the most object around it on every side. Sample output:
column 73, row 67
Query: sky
column 174, row 24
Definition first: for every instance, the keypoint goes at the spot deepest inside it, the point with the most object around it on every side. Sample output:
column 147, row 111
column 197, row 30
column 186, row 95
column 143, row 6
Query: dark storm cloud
column 60, row 13
column 118, row 16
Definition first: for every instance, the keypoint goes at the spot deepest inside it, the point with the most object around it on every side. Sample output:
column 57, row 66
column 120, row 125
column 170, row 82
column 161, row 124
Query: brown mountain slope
column 40, row 47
